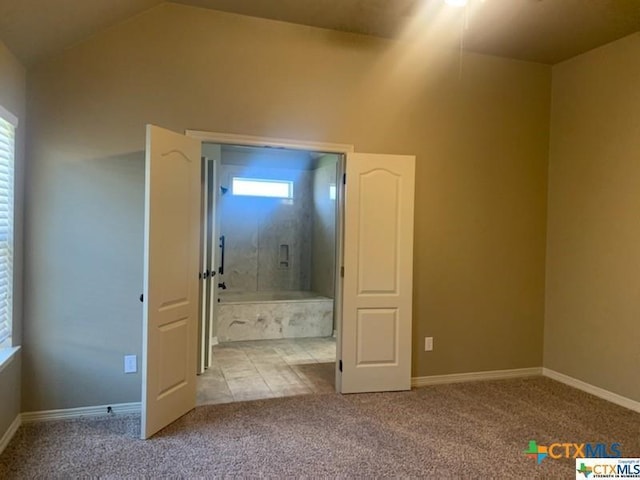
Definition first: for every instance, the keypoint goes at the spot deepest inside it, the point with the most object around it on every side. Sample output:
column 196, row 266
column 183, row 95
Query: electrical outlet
column 428, row 344
column 130, row 364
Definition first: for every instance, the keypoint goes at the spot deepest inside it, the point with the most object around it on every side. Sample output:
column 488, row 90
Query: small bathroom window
column 258, row 187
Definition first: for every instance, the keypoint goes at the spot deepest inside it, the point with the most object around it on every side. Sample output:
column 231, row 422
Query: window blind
column 8, row 124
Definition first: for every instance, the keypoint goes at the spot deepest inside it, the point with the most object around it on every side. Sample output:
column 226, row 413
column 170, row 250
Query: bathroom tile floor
column 258, row 369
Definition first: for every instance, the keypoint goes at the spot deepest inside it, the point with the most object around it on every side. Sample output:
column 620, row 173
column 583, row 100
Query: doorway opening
column 372, row 294
column 269, row 264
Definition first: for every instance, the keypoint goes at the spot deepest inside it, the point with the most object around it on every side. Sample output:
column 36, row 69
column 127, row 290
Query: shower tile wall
column 324, row 227
column 255, row 228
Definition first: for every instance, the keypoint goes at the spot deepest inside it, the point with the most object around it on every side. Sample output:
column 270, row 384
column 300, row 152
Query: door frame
column 314, row 146
column 208, row 254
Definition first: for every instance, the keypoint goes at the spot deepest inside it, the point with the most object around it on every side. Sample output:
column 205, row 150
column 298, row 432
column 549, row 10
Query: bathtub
column 269, row 315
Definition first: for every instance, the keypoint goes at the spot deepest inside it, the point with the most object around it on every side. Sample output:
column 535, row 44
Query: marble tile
column 319, row 377
column 289, row 349
column 281, row 377
column 252, row 395
column 266, row 369
column 212, row 391
column 274, row 320
column 221, row 362
column 213, row 399
column 299, row 359
column 226, row 352
column 323, row 356
column 291, row 390
column 234, row 372
column 267, row 360
column 253, row 382
column 211, row 372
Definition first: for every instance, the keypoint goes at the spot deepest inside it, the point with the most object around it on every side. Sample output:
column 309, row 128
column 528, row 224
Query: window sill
column 6, row 356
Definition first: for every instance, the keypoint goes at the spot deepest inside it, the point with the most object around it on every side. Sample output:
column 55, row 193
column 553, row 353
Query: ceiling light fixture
column 456, row 3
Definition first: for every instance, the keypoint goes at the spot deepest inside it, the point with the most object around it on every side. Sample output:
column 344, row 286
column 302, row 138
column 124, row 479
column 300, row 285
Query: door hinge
column 340, row 365
column 342, row 272
column 206, row 274
column 344, row 178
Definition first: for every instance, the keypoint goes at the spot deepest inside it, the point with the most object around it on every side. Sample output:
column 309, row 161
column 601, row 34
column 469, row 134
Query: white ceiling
column 546, row 31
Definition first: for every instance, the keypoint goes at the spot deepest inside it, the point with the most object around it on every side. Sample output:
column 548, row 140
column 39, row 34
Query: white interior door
column 171, row 256
column 378, row 273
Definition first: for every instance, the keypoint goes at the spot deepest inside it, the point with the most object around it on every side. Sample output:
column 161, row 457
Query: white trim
column 475, row 376
column 255, row 141
column 11, row 431
column 6, row 356
column 8, row 116
column 592, row 389
column 64, row 413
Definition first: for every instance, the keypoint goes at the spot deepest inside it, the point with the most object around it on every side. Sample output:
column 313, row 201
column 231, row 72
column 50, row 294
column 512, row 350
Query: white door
column 171, row 256
column 378, row 273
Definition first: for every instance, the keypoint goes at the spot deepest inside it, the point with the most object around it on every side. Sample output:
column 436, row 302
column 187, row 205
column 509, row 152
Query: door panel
column 377, row 336
column 378, row 237
column 378, row 273
column 171, row 291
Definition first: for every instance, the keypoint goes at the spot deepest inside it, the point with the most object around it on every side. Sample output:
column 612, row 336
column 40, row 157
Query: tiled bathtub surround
column 272, row 315
column 268, row 368
column 257, row 228
column 274, row 243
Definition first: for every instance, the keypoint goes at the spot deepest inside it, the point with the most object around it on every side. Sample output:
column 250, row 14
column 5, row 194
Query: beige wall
column 593, row 265
column 12, row 97
column 480, row 135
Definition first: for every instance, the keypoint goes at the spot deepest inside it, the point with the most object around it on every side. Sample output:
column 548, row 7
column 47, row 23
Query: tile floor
column 253, row 370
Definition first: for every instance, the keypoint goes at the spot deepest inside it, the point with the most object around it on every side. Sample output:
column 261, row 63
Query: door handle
column 222, row 245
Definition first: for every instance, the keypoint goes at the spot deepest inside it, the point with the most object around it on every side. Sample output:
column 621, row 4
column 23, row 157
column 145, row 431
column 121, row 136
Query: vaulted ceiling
column 546, row 31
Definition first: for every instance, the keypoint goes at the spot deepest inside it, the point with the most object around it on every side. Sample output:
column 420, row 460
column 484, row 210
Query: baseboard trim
column 475, row 376
column 592, row 389
column 63, row 413
column 11, row 431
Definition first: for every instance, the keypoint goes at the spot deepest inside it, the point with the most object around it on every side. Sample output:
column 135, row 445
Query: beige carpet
column 477, row 430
